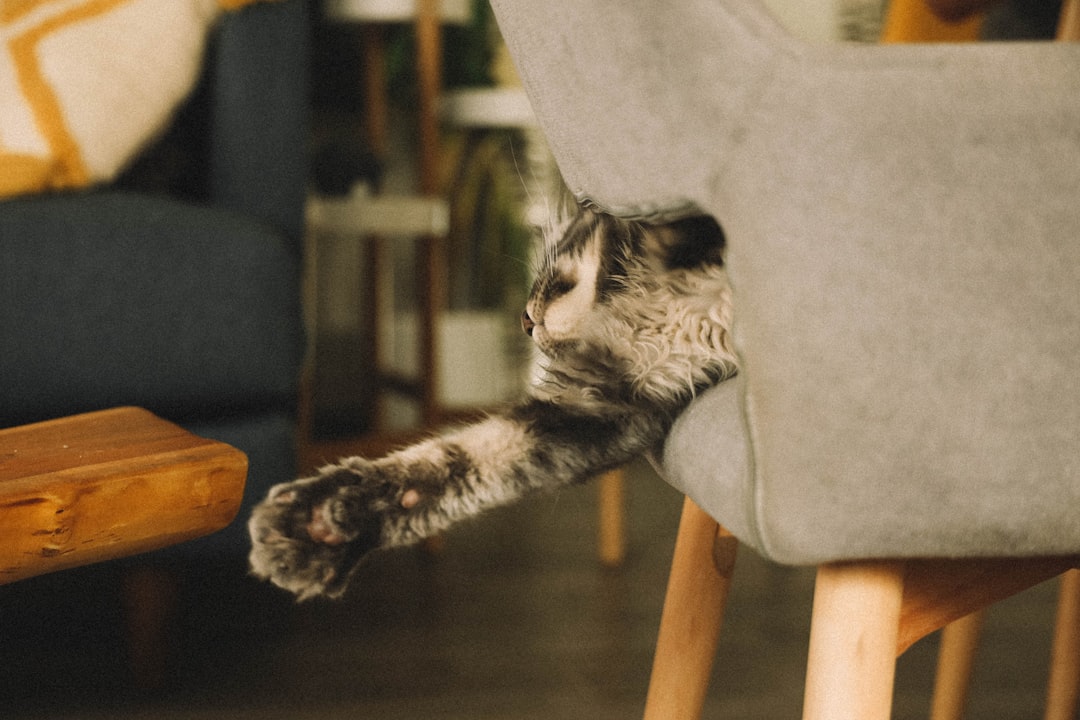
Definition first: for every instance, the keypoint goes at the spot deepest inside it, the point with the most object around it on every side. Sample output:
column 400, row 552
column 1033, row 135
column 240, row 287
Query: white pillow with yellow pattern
column 85, row 84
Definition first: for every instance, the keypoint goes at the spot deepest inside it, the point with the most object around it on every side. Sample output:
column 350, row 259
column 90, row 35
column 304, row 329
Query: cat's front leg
column 309, row 535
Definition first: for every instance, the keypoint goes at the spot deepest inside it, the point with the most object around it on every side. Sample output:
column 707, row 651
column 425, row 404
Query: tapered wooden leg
column 853, row 638
column 956, row 657
column 149, row 599
column 697, row 591
column 611, row 538
column 1062, row 689
column 1069, row 21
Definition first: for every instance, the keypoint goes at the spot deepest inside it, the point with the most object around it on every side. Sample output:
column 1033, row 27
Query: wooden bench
column 109, row 484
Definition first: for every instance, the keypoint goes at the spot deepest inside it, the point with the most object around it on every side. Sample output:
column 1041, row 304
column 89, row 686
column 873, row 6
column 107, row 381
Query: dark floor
column 514, row 619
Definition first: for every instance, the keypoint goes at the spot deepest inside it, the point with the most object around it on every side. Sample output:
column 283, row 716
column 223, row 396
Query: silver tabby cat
column 632, row 321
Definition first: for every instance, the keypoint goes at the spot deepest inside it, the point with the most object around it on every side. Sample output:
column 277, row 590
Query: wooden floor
column 514, row 620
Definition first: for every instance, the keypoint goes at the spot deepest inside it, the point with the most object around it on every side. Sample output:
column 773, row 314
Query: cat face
column 565, row 293
column 599, row 258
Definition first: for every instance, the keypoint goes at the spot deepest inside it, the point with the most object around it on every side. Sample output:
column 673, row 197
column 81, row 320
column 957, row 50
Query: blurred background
column 425, row 183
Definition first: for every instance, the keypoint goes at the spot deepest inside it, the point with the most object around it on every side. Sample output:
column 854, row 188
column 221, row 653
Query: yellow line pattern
column 63, row 166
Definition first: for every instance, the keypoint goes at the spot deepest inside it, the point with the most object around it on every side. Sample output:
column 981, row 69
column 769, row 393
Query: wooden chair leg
column 150, row 606
column 1063, row 688
column 853, row 640
column 611, row 540
column 1069, row 21
column 697, row 591
column 956, row 657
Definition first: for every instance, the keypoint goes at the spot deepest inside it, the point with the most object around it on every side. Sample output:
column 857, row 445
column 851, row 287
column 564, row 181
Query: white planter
column 476, row 367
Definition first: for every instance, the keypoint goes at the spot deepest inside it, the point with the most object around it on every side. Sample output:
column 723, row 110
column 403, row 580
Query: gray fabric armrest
column 706, row 456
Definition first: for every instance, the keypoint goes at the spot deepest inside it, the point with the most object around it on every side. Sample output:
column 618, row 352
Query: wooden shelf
column 488, row 107
column 456, row 12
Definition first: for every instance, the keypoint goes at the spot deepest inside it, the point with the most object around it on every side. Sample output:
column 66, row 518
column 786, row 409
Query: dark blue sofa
column 180, row 296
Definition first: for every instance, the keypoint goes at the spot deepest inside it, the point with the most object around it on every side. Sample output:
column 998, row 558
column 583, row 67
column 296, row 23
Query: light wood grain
column 956, row 658
column 611, row 521
column 701, row 571
column 937, row 592
column 851, row 662
column 1063, row 687
column 1069, row 22
column 103, row 485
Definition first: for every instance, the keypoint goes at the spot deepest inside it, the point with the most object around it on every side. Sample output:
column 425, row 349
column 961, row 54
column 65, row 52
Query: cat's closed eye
column 560, row 286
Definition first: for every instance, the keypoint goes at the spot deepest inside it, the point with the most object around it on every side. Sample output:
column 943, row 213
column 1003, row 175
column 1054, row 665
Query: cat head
column 599, row 258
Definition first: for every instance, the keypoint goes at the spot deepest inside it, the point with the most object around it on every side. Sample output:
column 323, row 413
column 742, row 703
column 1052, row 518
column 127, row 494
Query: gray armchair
column 902, row 226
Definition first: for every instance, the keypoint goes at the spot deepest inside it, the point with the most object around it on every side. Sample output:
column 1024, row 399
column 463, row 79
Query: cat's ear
column 687, row 243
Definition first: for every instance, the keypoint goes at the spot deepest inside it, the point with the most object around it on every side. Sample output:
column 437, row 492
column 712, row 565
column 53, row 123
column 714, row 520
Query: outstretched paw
column 309, row 535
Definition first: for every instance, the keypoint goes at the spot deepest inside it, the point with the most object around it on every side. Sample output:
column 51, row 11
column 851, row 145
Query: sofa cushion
column 110, row 299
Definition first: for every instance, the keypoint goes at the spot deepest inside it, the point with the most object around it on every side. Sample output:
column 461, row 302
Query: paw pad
column 321, row 529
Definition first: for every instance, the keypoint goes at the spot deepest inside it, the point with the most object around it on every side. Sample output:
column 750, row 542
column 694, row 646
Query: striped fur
column 632, row 320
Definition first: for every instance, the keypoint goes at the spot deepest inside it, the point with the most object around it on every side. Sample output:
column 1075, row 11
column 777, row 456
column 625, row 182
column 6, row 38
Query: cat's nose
column 527, row 323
